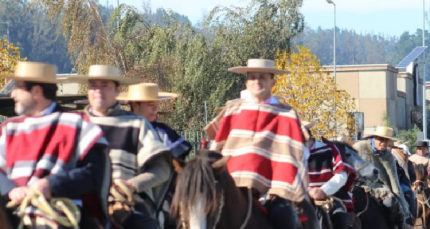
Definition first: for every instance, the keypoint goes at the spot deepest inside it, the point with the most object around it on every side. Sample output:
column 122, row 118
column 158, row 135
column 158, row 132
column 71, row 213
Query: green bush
column 409, row 136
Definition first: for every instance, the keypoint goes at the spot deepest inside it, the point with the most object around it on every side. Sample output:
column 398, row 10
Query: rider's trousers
column 282, row 214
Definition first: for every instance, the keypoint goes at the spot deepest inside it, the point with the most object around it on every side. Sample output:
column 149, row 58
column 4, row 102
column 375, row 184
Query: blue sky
column 385, row 17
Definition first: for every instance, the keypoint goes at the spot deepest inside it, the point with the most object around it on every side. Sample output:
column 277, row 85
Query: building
column 382, row 92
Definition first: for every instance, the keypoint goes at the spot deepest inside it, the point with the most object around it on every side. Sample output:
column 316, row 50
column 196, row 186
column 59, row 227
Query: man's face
column 102, row 94
column 25, row 102
column 147, row 110
column 422, row 150
column 260, row 84
column 381, row 144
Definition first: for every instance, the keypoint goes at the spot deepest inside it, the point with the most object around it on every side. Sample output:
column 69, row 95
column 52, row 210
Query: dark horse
column 365, row 207
column 364, row 171
column 422, row 193
column 4, row 221
column 206, row 197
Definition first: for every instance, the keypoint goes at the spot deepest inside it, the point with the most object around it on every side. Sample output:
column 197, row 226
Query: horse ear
column 220, row 163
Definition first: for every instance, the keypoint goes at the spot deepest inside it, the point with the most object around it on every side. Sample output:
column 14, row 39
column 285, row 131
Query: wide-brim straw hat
column 258, row 65
column 383, row 132
column 103, row 72
column 35, row 72
column 145, row 92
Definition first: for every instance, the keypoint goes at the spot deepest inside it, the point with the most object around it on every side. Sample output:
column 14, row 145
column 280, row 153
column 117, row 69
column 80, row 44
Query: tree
column 313, row 93
column 409, row 136
column 10, row 55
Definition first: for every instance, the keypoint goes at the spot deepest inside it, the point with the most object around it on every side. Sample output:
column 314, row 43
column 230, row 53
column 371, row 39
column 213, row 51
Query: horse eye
column 348, row 155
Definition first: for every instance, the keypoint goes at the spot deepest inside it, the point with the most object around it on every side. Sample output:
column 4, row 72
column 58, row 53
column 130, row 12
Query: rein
column 425, row 201
column 365, row 208
column 364, row 165
column 36, row 199
column 122, row 193
column 218, row 217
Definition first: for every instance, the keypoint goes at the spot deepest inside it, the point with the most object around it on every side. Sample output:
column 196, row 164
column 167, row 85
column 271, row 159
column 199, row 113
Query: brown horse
column 206, row 197
column 422, row 193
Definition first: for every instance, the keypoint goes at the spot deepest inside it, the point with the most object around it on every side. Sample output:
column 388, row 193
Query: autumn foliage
column 9, row 56
column 313, row 93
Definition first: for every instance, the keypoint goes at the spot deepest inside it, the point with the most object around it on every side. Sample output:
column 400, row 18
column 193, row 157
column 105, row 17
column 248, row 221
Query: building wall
column 380, row 90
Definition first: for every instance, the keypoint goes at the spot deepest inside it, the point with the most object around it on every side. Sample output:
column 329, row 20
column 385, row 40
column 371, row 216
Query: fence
column 194, row 137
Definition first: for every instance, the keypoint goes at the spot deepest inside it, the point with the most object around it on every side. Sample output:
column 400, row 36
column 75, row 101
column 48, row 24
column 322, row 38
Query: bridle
column 221, row 206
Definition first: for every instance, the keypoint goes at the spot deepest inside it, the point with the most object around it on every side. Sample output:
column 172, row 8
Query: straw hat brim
column 35, row 79
column 85, row 79
column 378, row 135
column 161, row 96
column 244, row 70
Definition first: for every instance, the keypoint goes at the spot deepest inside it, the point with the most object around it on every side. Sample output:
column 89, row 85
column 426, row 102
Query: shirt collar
column 272, row 100
column 49, row 109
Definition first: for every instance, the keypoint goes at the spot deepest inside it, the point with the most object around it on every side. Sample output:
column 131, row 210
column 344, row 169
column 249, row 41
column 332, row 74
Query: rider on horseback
column 143, row 100
column 422, row 156
column 51, row 152
column 406, row 174
column 387, row 189
column 265, row 142
column 329, row 175
column 140, row 161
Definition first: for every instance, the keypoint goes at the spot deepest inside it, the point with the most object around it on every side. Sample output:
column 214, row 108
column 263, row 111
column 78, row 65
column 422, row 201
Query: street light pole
column 334, row 62
column 424, row 76
column 7, row 30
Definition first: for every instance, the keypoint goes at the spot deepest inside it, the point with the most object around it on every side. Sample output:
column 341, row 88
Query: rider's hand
column 317, row 194
column 43, row 186
column 128, row 184
column 18, row 194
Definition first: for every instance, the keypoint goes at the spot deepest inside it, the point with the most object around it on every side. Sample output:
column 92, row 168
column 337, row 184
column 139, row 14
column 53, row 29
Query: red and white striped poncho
column 266, row 146
column 34, row 147
column 324, row 162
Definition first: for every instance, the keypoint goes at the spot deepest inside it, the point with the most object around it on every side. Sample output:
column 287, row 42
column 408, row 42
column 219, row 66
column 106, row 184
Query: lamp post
column 424, row 76
column 334, row 61
column 7, row 30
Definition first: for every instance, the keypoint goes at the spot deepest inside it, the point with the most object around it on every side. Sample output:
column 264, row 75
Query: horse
column 366, row 208
column 206, row 196
column 422, row 192
column 4, row 221
column 365, row 172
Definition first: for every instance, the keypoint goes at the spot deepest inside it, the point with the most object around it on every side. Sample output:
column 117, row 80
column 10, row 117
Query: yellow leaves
column 9, row 56
column 313, row 93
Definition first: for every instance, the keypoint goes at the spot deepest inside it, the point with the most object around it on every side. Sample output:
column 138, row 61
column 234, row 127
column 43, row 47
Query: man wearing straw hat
column 141, row 163
column 266, row 134
column 422, row 156
column 143, row 99
column 374, row 148
column 329, row 175
column 45, row 151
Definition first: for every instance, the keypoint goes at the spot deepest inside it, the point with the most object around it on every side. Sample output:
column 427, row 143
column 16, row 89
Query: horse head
column 349, row 155
column 198, row 199
column 420, row 184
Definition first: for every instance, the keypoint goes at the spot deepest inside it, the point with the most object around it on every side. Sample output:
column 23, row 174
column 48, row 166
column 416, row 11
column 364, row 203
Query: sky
column 379, row 17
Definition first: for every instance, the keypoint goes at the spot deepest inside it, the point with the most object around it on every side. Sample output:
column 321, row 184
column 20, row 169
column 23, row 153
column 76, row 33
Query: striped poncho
column 133, row 145
column 324, row 162
column 266, row 146
column 32, row 148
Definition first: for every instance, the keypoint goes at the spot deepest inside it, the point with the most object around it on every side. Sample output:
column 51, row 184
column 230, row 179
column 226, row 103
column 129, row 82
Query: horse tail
column 196, row 185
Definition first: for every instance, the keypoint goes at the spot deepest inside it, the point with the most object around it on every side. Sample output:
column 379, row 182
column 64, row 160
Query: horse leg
column 4, row 219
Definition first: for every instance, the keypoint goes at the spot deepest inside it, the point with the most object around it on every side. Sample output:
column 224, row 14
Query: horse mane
column 196, row 183
column 420, row 172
